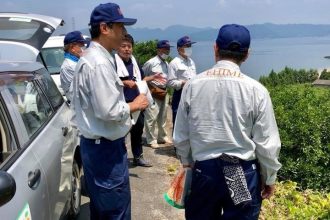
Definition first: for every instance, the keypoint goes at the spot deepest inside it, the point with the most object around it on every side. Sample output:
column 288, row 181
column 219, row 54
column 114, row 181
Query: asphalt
column 148, row 185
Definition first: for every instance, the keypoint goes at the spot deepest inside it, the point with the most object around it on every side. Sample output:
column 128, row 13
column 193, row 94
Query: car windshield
column 17, row 28
column 54, row 58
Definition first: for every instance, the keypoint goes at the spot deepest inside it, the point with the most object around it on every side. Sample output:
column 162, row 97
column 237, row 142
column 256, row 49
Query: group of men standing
column 224, row 125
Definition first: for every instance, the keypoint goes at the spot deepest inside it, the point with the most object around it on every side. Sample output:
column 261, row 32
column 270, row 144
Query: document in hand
column 179, row 188
column 143, row 89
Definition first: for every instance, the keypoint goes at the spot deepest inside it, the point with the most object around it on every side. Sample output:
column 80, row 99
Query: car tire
column 75, row 191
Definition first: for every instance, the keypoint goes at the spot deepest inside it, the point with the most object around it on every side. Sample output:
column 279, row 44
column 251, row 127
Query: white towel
column 142, row 85
column 122, row 70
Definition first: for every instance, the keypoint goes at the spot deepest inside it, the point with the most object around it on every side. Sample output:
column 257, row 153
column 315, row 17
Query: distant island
column 258, row 31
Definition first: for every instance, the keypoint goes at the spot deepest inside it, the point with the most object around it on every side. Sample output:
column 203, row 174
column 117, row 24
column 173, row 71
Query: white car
column 40, row 165
column 53, row 56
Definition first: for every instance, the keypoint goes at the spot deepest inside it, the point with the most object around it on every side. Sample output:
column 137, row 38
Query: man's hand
column 139, row 103
column 129, row 84
column 155, row 77
column 183, row 82
column 267, row 191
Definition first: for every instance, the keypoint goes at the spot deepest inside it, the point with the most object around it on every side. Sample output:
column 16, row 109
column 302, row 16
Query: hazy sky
column 197, row 13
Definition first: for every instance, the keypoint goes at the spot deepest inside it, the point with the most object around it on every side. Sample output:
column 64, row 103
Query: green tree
column 288, row 76
column 325, row 75
column 143, row 51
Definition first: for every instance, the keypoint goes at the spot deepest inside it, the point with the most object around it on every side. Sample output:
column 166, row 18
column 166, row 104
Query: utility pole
column 73, row 23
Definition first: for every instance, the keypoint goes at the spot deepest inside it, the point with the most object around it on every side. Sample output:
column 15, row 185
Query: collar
column 106, row 53
column 70, row 56
column 227, row 64
column 186, row 60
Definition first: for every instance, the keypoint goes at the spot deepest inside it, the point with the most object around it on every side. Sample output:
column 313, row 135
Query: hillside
column 267, row 30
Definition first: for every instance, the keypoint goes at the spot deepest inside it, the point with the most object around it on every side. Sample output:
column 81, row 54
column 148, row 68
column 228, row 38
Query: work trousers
column 107, row 178
column 136, row 136
column 210, row 198
column 154, row 115
column 175, row 104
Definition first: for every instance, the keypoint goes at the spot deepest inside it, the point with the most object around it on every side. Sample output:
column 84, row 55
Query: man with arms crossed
column 180, row 70
column 74, row 45
column 226, row 130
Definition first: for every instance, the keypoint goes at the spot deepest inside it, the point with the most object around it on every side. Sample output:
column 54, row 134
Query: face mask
column 188, row 51
column 83, row 49
column 164, row 56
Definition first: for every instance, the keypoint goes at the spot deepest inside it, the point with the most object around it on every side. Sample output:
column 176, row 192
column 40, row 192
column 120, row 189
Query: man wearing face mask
column 74, row 44
column 181, row 69
column 156, row 113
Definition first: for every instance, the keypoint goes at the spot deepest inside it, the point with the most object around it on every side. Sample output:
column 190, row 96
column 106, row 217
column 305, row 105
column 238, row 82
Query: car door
column 55, row 156
column 31, row 198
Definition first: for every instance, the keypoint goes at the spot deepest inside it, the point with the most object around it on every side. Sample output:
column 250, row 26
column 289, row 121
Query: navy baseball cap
column 163, row 44
column 234, row 37
column 184, row 41
column 74, row 37
column 109, row 12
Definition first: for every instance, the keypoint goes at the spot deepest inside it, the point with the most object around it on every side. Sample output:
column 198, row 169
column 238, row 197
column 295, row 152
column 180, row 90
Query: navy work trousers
column 107, row 178
column 210, row 199
column 175, row 103
column 136, row 136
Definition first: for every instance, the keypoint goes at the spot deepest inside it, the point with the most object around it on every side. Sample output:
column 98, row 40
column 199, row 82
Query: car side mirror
column 7, row 187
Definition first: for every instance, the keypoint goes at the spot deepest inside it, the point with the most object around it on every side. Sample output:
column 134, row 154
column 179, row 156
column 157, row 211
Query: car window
column 50, row 89
column 30, row 102
column 7, row 143
column 17, row 28
column 53, row 58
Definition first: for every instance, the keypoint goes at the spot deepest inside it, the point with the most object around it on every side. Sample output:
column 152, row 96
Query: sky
column 195, row 13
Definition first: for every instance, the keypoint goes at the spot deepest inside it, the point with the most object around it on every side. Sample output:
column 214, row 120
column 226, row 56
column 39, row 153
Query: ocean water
column 268, row 54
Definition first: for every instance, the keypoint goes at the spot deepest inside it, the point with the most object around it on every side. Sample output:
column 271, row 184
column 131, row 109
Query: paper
column 143, row 89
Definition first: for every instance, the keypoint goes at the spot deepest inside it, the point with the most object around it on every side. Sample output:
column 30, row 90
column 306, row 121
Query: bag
column 157, row 92
column 179, row 188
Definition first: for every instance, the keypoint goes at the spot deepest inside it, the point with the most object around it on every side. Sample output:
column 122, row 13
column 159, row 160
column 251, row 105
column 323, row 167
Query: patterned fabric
column 235, row 179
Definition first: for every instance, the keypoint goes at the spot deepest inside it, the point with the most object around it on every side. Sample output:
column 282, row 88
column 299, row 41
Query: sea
column 270, row 54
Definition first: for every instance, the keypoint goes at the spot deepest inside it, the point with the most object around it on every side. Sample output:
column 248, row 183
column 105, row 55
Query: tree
column 325, row 75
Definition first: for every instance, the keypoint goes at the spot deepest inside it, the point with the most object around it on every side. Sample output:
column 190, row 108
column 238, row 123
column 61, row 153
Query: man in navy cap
column 156, row 113
column 103, row 116
column 226, row 131
column 74, row 45
column 181, row 69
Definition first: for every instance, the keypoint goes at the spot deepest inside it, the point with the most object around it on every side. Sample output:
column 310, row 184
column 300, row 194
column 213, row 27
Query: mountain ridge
column 258, row 31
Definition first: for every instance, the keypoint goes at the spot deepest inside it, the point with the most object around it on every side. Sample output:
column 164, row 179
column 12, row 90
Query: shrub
column 289, row 203
column 303, row 117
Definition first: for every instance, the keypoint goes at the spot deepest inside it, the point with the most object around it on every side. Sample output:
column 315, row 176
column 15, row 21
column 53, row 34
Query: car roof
column 19, row 66
column 58, row 41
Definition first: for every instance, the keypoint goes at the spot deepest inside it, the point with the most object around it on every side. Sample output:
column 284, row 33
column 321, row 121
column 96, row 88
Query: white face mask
column 164, row 56
column 187, row 51
column 83, row 48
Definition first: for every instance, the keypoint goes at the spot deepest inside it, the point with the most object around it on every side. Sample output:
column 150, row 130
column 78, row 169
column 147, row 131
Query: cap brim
column 82, row 41
column 164, row 47
column 126, row 21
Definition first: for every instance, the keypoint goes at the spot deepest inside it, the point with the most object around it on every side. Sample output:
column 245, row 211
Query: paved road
column 148, row 186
